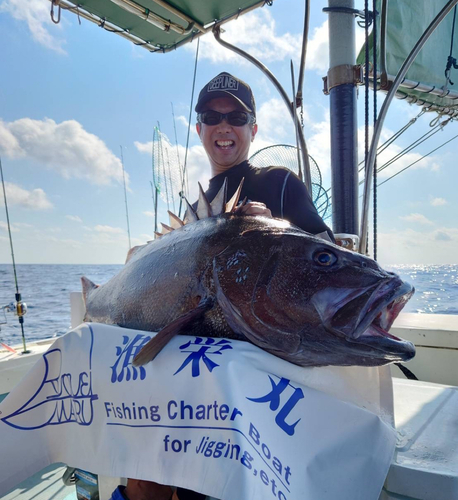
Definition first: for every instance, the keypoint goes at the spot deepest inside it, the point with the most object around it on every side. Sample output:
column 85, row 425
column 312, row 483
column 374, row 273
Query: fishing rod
column 21, row 307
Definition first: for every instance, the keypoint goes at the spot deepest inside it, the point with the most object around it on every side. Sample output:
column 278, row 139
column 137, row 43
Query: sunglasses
column 234, row 118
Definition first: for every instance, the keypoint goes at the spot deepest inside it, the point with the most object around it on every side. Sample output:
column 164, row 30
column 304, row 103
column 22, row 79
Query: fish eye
column 325, row 258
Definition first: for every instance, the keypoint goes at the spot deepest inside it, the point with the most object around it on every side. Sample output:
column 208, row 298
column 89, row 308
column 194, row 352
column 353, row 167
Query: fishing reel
column 19, row 309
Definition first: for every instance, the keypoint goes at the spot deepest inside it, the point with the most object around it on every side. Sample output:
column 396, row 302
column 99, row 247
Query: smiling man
column 226, row 124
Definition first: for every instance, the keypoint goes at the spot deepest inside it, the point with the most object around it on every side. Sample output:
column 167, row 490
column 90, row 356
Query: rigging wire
column 162, row 163
column 20, row 306
column 185, row 171
column 176, row 145
column 416, row 161
column 125, row 197
column 296, row 125
column 409, row 148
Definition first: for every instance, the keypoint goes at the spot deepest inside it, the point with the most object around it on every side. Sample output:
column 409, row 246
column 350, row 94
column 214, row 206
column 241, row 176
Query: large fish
column 257, row 279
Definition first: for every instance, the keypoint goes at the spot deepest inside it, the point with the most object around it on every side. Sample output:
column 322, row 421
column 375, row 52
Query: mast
column 344, row 125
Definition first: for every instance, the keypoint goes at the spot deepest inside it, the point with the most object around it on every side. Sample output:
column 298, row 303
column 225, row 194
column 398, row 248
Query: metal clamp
column 347, row 241
column 344, row 73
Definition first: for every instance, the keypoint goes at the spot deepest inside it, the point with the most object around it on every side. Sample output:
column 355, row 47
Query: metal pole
column 344, row 124
column 383, row 111
column 291, row 106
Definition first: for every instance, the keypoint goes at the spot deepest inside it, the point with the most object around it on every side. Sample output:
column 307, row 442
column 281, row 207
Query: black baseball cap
column 226, row 85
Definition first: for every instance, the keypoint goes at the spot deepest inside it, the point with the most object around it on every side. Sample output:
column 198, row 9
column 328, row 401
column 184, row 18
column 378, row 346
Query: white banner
column 217, row 416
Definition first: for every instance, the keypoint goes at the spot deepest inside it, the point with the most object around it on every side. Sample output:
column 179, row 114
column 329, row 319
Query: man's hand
column 254, row 208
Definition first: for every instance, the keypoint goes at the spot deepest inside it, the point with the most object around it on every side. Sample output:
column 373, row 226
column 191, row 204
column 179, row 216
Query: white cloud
column 443, row 236
column 4, row 227
column 63, row 147
column 318, row 48
column 149, row 214
column 73, row 218
column 414, row 247
column 417, row 218
column 144, row 147
column 146, row 237
column 36, row 14
column 438, row 202
column 276, row 125
column 256, row 33
column 274, row 121
column 35, row 199
column 108, row 229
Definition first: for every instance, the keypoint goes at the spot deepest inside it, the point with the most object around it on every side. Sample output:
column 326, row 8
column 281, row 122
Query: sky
column 74, row 99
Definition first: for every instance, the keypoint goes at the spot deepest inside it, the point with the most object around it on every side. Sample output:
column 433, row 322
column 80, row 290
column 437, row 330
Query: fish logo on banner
column 61, row 398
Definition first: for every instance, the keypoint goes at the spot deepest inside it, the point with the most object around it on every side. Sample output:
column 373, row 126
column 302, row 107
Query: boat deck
column 46, row 484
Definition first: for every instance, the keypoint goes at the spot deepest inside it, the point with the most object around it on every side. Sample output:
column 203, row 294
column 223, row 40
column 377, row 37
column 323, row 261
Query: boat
column 425, row 410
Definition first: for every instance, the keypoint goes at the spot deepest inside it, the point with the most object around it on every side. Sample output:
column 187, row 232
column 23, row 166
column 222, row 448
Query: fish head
column 310, row 301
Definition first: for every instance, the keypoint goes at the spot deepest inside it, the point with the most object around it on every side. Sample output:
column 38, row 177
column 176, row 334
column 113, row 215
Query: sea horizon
column 45, row 288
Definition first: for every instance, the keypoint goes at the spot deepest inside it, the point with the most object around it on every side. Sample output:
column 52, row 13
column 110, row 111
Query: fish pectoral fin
column 88, row 286
column 157, row 343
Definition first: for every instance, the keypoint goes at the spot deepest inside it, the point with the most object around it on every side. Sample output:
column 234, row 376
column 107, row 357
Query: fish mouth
column 363, row 318
column 381, row 311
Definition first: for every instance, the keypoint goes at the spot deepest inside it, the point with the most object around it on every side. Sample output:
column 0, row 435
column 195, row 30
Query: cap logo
column 223, row 82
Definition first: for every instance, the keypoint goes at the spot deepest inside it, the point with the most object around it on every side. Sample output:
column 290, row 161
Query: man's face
column 225, row 145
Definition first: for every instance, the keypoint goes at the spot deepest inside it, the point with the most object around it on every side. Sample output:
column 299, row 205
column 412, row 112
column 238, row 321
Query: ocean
column 45, row 288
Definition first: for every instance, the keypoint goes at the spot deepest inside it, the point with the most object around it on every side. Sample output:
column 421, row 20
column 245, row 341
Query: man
column 226, row 124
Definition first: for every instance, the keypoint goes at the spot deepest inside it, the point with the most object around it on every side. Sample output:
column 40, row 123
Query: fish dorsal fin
column 219, row 201
column 166, row 229
column 232, row 203
column 132, row 251
column 181, row 324
column 204, row 209
column 238, row 210
column 175, row 222
column 88, row 287
column 190, row 215
column 157, row 235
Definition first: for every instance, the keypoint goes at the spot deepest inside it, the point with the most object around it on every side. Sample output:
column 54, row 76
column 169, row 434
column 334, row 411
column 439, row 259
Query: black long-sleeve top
column 278, row 188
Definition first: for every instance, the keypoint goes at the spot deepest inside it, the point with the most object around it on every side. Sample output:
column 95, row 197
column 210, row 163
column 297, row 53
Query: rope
column 408, row 374
column 366, row 85
column 451, row 61
column 374, row 45
column 185, row 172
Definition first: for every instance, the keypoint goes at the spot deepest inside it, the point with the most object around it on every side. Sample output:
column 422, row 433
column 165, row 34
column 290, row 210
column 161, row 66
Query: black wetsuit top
column 287, row 198
column 278, row 188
